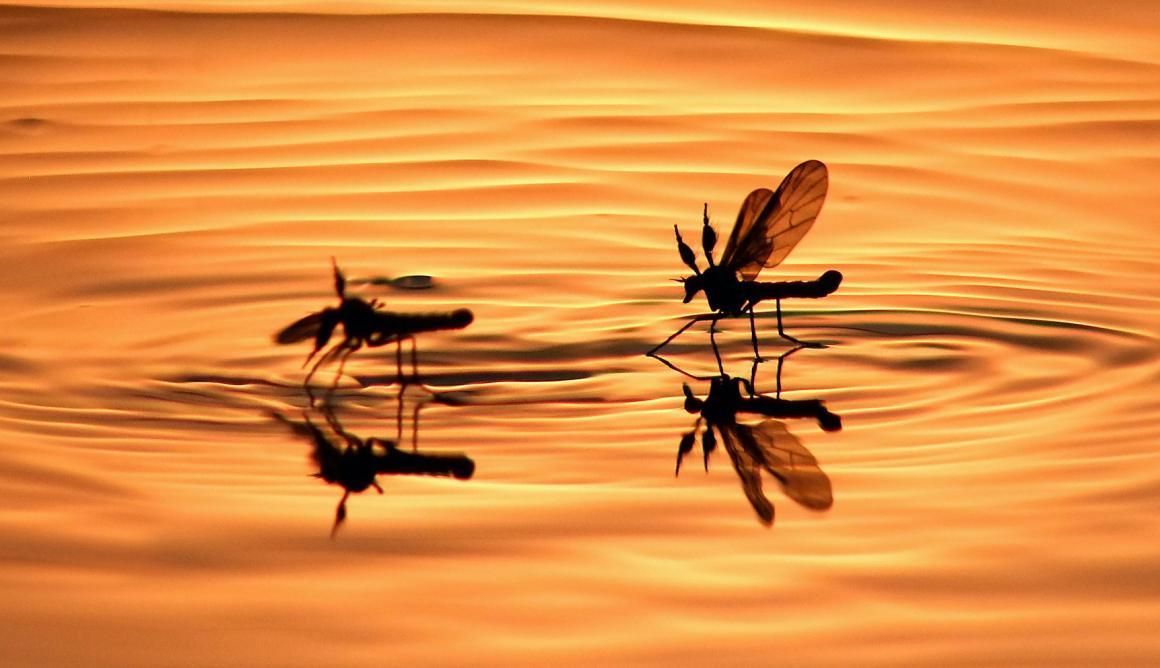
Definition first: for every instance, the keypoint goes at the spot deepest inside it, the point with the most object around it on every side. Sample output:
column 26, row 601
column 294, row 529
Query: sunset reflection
column 175, row 178
column 765, row 448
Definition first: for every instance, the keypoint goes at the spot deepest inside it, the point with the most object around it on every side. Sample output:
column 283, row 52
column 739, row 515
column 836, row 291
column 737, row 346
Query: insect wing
column 795, row 467
column 300, row 330
column 748, row 469
column 770, row 224
column 323, row 453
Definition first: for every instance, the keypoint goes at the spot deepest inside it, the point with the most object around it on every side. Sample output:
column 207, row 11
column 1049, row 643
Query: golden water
column 173, row 185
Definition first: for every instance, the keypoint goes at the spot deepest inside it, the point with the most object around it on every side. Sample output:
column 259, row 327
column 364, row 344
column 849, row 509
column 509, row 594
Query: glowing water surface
column 173, row 185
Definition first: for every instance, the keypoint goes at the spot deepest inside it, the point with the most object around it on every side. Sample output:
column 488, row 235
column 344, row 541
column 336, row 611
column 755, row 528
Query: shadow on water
column 767, row 446
column 354, row 463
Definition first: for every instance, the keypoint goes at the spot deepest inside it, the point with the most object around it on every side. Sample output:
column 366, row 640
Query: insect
column 769, row 225
column 364, row 323
column 356, row 464
column 766, row 446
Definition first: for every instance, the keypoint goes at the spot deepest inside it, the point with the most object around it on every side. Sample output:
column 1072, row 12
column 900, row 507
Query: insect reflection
column 364, row 323
column 355, row 463
column 769, row 225
column 767, row 446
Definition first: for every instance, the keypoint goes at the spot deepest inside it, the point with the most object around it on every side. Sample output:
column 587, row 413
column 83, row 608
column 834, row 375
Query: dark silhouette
column 355, row 463
column 363, row 323
column 768, row 227
column 768, row 445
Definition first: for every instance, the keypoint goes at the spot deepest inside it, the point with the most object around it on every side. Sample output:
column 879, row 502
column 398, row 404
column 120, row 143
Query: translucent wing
column 300, row 330
column 323, row 454
column 770, row 224
column 784, row 456
column 734, row 437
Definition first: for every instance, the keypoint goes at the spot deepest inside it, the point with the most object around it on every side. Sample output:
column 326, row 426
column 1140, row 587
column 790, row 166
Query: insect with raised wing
column 769, row 225
column 364, row 324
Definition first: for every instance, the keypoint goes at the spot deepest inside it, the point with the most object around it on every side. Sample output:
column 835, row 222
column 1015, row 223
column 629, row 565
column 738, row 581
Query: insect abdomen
column 413, row 323
column 815, row 289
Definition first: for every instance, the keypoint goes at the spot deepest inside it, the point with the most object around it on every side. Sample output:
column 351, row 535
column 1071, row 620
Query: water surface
column 174, row 183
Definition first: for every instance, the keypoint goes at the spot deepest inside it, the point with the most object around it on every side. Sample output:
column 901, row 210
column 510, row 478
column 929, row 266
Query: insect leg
column 318, row 363
column 690, row 323
column 342, row 363
column 330, row 355
column 415, row 427
column 414, row 359
column 713, row 342
column 753, row 336
column 399, row 418
column 404, row 381
column 781, row 332
column 399, row 363
column 780, row 363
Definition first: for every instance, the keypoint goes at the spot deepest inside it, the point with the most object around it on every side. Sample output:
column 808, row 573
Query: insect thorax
column 723, row 401
column 723, row 290
column 358, row 317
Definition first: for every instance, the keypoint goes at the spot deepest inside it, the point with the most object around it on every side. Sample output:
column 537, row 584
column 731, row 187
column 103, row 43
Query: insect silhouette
column 364, row 323
column 355, row 463
column 767, row 446
column 769, row 225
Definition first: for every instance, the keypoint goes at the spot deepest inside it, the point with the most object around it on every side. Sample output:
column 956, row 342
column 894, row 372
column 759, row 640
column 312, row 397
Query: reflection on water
column 768, row 446
column 364, row 323
column 173, row 182
column 354, row 463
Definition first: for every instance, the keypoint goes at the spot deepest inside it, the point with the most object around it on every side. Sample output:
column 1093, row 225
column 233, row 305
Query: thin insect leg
column 331, row 355
column 309, row 375
column 690, row 323
column 415, row 427
column 332, row 420
column 753, row 335
column 780, row 362
column 713, row 342
column 317, row 364
column 342, row 363
column 399, row 363
column 414, row 360
column 404, row 381
column 399, row 418
column 787, row 337
column 679, row 370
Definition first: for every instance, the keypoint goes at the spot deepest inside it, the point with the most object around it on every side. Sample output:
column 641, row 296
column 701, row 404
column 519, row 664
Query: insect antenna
column 708, row 235
column 686, row 252
column 693, row 405
column 339, row 279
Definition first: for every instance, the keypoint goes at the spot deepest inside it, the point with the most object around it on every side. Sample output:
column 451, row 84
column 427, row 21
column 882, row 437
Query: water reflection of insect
column 356, row 465
column 766, row 446
column 768, row 227
column 363, row 323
